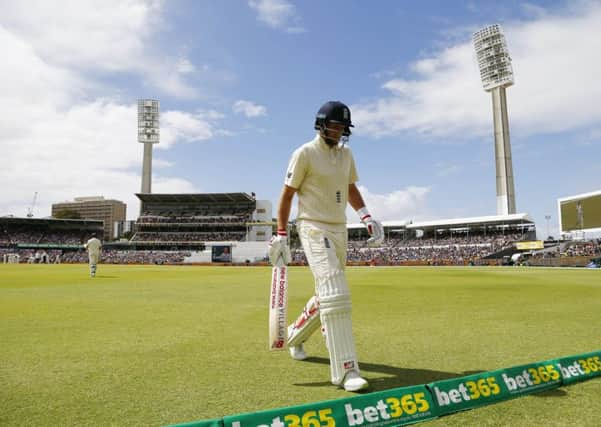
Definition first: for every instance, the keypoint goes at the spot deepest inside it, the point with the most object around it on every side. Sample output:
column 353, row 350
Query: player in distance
column 93, row 246
column 322, row 174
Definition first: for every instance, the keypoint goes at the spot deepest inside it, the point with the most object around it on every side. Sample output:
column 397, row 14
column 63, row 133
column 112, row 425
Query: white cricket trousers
column 326, row 253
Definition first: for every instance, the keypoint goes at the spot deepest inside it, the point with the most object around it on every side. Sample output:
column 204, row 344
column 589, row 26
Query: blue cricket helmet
column 334, row 112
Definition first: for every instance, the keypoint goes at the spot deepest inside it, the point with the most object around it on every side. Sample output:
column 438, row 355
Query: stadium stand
column 173, row 228
column 194, row 218
column 459, row 241
column 45, row 240
column 47, row 231
column 112, row 256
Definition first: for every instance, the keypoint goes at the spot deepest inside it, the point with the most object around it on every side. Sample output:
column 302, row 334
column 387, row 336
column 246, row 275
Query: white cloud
column 405, row 204
column 99, row 37
column 278, row 14
column 556, row 66
column 28, row 80
column 185, row 127
column 184, row 66
column 249, row 108
column 57, row 136
column 161, row 163
column 595, row 135
column 89, row 149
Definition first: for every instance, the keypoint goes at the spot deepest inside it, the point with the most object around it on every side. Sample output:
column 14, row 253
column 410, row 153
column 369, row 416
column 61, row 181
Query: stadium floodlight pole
column 497, row 74
column 148, row 134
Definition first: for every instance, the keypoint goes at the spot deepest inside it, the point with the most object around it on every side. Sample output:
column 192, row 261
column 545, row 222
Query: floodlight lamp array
column 493, row 57
column 148, row 121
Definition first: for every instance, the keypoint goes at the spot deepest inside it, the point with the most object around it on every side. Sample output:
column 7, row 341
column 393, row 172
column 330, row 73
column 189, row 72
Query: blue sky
column 240, row 82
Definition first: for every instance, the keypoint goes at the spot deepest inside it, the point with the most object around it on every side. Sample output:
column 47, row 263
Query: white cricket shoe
column 298, row 352
column 354, row 382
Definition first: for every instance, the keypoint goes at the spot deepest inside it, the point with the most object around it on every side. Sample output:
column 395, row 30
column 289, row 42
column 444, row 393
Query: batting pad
column 335, row 313
column 305, row 325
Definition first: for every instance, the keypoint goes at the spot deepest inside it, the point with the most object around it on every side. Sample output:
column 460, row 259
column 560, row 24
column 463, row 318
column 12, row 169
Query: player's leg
column 308, row 321
column 93, row 261
column 302, row 328
column 335, row 307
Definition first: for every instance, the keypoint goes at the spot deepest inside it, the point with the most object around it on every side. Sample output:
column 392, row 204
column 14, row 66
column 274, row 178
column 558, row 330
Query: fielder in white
column 93, row 247
column 322, row 173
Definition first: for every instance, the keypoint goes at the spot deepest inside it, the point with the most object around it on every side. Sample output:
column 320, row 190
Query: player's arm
column 354, row 197
column 374, row 228
column 285, row 206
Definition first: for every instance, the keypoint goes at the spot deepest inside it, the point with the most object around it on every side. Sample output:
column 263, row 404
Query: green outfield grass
column 156, row 345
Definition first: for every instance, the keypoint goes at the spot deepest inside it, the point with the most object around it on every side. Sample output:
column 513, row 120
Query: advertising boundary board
column 413, row 404
column 580, row 367
column 472, row 391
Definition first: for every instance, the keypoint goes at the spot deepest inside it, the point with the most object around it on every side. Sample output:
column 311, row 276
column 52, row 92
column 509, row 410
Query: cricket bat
column 278, row 307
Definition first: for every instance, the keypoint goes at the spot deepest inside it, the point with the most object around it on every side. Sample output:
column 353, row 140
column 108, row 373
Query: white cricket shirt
column 93, row 246
column 321, row 175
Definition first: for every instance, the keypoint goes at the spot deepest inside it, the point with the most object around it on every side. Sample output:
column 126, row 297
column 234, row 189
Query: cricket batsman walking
column 93, row 246
column 322, row 174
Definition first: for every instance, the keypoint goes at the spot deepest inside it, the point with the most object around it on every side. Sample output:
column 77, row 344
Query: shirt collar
column 321, row 143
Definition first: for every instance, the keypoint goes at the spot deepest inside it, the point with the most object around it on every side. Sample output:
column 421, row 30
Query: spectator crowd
column 112, row 256
column 23, row 235
column 583, row 248
column 196, row 219
column 393, row 251
column 200, row 236
column 447, row 250
column 197, row 228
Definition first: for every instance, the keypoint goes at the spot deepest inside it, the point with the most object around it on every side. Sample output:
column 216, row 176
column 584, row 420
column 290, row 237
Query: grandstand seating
column 191, row 229
column 446, row 250
column 170, row 239
column 111, row 256
column 44, row 232
column 186, row 218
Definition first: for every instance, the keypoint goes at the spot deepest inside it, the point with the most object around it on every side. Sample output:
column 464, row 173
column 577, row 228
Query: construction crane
column 30, row 210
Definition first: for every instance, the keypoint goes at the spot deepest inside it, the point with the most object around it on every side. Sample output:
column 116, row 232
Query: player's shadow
column 105, row 277
column 394, row 376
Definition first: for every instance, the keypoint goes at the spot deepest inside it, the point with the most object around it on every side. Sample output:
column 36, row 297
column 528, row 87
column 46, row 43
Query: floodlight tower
column 148, row 134
column 497, row 74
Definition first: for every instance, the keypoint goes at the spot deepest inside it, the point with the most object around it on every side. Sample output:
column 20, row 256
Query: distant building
column 107, row 210
column 120, row 228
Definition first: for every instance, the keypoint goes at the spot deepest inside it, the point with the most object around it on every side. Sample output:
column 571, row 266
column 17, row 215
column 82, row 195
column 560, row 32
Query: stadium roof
column 522, row 218
column 200, row 198
column 386, row 224
column 51, row 221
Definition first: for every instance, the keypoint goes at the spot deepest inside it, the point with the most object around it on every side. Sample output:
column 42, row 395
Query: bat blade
column 278, row 306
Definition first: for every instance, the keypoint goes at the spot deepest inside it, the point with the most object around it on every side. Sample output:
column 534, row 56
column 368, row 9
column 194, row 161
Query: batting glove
column 278, row 248
column 374, row 228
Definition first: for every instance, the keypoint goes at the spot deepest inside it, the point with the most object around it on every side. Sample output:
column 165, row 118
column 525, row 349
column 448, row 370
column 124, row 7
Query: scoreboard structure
column 580, row 213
